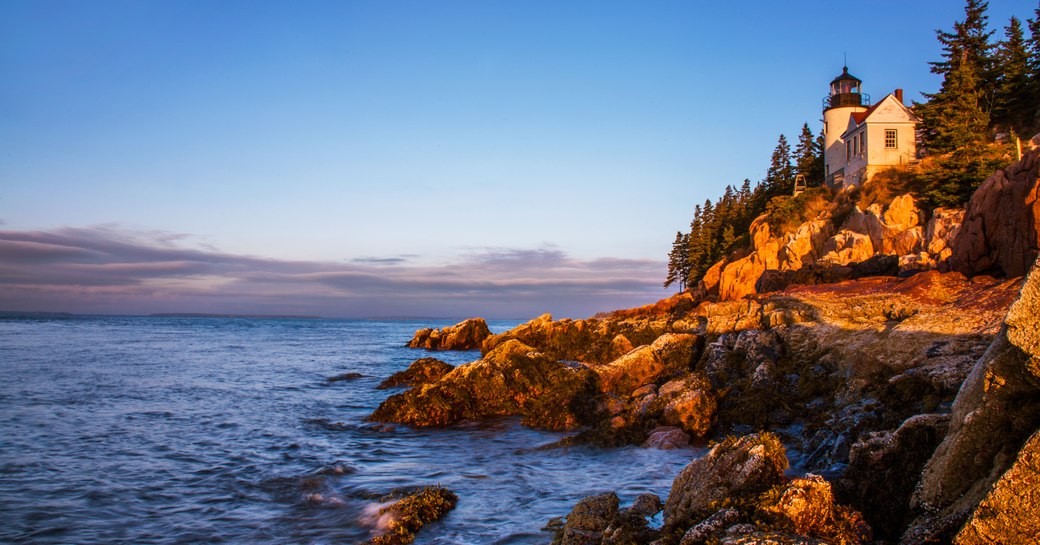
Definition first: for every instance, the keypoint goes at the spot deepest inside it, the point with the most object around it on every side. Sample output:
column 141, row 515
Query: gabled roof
column 857, row 119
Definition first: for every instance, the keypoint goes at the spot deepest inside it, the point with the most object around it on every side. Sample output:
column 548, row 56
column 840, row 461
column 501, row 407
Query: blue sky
column 404, row 140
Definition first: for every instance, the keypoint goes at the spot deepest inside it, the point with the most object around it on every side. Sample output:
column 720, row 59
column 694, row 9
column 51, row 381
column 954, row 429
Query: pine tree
column 1013, row 107
column 677, row 269
column 780, row 175
column 1034, row 69
column 809, row 156
column 957, row 116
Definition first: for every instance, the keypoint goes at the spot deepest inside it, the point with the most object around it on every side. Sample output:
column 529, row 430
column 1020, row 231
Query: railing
column 836, row 179
column 846, row 99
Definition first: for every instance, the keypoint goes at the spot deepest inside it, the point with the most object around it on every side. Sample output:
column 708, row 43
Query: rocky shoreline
column 906, row 394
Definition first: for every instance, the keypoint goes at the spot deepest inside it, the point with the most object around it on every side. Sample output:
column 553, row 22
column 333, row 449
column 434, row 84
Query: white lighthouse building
column 860, row 139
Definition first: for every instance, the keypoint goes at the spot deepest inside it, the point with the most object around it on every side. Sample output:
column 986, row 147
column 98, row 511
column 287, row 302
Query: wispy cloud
column 108, row 269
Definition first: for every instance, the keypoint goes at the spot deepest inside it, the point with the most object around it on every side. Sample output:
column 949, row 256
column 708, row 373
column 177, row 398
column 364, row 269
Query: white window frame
column 894, row 134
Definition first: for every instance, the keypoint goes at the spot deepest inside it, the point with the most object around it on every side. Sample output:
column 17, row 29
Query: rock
column 1010, row 513
column 997, row 408
column 693, row 408
column 592, row 341
column 877, row 265
column 847, row 247
column 344, row 377
column 670, row 354
column 513, row 379
column 589, row 519
column 711, row 527
column 630, row 371
column 678, row 351
column 421, row 371
column 940, row 234
column 736, row 467
column 893, row 229
column 806, row 507
column 667, row 438
column 738, row 278
column 803, row 246
column 466, row 335
column 401, row 519
column 883, row 469
column 1001, row 229
column 709, row 283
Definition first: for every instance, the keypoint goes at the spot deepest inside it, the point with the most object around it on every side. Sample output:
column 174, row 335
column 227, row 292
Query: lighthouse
column 845, row 98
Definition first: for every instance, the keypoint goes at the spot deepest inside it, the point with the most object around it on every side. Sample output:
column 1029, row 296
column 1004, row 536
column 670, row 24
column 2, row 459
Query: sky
column 400, row 158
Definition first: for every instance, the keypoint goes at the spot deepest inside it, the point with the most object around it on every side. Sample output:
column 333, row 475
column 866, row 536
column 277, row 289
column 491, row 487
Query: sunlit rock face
column 1001, row 229
column 512, row 380
column 466, row 335
column 995, row 413
column 592, row 341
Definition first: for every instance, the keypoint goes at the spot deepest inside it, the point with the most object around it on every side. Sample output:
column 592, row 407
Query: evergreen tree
column 1034, row 69
column 1013, row 106
column 809, row 156
column 957, row 115
column 780, row 175
column 677, row 269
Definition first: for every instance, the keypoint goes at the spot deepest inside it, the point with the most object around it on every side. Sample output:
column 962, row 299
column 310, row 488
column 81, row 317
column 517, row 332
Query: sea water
column 226, row 430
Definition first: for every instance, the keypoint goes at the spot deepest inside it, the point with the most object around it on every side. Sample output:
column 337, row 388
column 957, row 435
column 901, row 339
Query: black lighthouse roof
column 845, row 76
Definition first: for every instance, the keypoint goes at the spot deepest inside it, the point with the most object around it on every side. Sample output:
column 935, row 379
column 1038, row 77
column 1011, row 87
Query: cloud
column 107, row 269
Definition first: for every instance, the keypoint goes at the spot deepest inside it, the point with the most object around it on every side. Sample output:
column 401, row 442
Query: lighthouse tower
column 845, row 98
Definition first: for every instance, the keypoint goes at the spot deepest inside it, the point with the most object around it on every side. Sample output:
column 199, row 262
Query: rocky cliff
column 868, row 357
column 1000, row 236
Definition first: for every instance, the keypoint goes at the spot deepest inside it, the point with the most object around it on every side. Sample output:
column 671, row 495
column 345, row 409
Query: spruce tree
column 677, row 262
column 1013, row 106
column 780, row 175
column 1034, row 69
column 809, row 156
column 957, row 115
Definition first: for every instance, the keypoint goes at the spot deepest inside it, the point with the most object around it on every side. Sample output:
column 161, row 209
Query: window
column 863, row 143
column 848, row 150
column 890, row 139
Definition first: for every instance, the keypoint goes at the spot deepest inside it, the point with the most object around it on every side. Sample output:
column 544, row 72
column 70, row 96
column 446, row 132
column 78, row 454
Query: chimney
column 899, row 95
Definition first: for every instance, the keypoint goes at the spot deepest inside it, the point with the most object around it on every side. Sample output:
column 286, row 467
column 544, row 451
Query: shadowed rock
column 401, row 519
column 421, row 371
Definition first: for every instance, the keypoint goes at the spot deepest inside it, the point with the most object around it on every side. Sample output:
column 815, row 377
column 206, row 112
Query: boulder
column 892, row 229
column 591, row 341
column 1010, row 513
column 738, row 278
column 806, row 507
column 667, row 438
column 421, row 371
column 802, row 247
column 884, row 468
column 940, row 234
column 996, row 410
column 627, row 373
column 465, row 335
column 1000, row 233
column 513, row 379
column 735, row 467
column 589, row 519
column 692, row 407
column 400, row 520
column 847, row 247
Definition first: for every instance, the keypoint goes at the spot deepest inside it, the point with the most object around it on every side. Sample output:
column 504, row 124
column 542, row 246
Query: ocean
column 226, row 430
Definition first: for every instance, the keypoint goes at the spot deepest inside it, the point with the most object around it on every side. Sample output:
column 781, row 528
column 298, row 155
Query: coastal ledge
column 466, row 335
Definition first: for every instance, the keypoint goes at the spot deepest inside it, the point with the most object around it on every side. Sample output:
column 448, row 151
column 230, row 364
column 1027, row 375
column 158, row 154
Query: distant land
column 209, row 315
